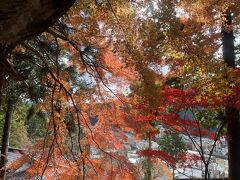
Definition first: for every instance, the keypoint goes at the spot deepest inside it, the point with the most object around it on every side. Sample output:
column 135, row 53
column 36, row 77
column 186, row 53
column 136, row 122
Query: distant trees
column 172, row 143
column 18, row 134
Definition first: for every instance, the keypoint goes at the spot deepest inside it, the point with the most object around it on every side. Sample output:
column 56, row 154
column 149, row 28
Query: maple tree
column 174, row 113
column 224, row 18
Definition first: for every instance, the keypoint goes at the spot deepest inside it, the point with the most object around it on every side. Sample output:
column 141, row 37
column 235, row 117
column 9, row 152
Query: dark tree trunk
column 2, row 78
column 206, row 175
column 5, row 139
column 3, row 56
column 4, row 50
column 232, row 114
column 148, row 172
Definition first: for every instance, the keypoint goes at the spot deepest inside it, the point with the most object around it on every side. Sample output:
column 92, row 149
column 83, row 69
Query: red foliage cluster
column 184, row 159
column 184, row 99
column 181, row 99
column 175, row 101
column 173, row 120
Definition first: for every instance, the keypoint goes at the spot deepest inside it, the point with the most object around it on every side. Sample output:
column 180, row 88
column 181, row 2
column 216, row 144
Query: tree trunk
column 206, row 175
column 3, row 56
column 232, row 114
column 5, row 139
column 148, row 173
column 1, row 82
column 173, row 172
